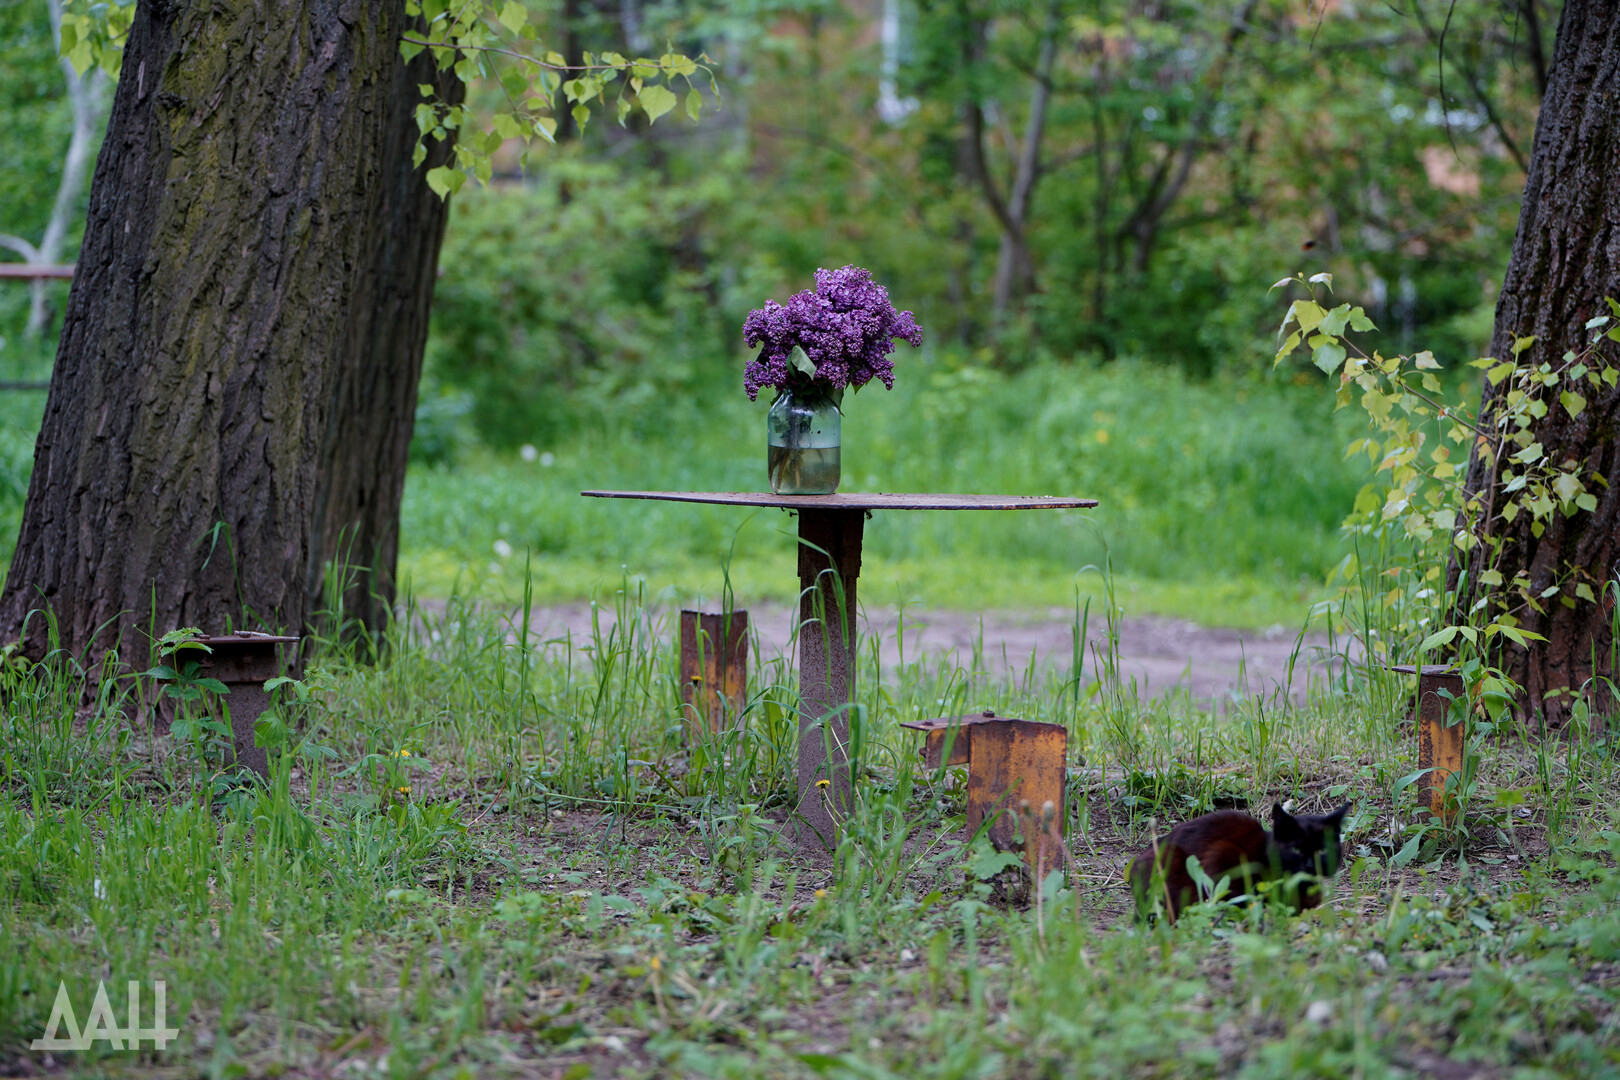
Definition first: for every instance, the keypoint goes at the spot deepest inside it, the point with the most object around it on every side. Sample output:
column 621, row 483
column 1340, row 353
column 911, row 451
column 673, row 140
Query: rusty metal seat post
column 244, row 662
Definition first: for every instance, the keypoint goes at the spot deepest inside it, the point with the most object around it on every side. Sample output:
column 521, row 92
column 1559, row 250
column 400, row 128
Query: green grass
column 1219, row 502
column 566, row 888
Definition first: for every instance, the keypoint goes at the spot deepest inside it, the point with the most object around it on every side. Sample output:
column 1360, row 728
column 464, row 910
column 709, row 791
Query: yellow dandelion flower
column 823, row 783
column 820, row 893
column 656, row 964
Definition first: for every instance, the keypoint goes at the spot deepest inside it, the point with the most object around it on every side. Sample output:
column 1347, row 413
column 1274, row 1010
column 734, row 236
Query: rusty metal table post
column 830, row 532
column 829, row 564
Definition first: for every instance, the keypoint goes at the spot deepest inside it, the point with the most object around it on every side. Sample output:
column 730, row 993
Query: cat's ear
column 1283, row 824
column 1335, row 820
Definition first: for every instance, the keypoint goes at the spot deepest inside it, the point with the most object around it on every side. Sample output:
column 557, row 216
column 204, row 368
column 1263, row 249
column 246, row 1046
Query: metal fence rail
column 32, row 272
column 35, row 271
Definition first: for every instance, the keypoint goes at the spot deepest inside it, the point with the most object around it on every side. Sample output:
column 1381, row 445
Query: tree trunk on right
column 1565, row 261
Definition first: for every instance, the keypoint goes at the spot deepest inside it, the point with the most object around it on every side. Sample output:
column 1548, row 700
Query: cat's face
column 1308, row 843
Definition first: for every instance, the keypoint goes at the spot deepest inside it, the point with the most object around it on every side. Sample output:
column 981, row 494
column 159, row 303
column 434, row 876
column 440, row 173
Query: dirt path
column 1160, row 654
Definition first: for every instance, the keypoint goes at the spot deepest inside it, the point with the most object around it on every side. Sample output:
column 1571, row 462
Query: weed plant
column 486, row 854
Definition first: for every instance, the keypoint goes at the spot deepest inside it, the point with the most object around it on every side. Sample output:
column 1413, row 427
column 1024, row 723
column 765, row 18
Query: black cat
column 1230, row 843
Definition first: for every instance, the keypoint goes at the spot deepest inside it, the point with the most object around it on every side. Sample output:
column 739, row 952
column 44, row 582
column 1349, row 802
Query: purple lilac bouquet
column 838, row 336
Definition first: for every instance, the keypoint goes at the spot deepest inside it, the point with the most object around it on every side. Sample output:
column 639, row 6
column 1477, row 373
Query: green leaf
column 656, row 101
column 1513, row 633
column 1425, row 361
column 694, row 105
column 513, row 15
column 1521, row 344
column 1409, row 779
column 1328, row 356
column 1309, row 313
column 1287, row 347
column 1440, row 637
column 800, row 361
column 1529, row 455
column 991, row 862
column 676, row 64
column 515, row 82
column 1499, row 372
column 1334, row 321
column 1566, row 486
column 1586, row 501
column 1573, row 402
column 1408, row 851
column 506, row 126
column 445, row 181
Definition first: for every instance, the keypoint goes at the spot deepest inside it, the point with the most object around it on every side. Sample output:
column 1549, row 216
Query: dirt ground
column 1161, row 654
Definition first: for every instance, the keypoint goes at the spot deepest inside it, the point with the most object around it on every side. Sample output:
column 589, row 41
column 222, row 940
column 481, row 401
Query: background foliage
column 591, row 295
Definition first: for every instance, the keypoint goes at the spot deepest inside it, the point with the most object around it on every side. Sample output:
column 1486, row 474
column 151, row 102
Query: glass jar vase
column 801, row 438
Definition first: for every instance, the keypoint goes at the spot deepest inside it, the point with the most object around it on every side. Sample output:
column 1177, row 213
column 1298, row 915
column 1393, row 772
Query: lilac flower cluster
column 846, row 327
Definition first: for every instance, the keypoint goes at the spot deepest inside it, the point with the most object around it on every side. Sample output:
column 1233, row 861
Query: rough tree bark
column 239, row 338
column 361, row 472
column 1565, row 260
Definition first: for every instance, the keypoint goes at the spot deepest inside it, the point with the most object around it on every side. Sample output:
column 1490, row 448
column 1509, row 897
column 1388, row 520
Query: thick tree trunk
column 361, row 473
column 221, row 335
column 1566, row 259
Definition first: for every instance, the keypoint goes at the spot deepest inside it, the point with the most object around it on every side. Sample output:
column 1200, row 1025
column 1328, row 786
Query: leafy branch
column 483, row 39
column 489, row 40
column 1425, row 496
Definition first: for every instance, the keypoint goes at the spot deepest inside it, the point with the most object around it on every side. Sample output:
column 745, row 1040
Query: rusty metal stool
column 1440, row 748
column 1010, row 763
column 714, row 670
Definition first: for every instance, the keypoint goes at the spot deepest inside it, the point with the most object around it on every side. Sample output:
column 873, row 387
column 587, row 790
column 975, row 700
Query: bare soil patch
column 1160, row 654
